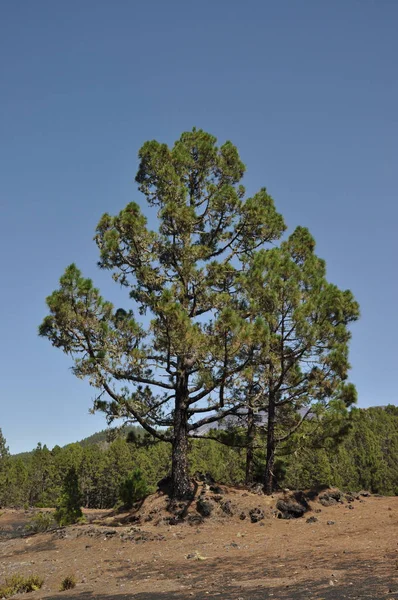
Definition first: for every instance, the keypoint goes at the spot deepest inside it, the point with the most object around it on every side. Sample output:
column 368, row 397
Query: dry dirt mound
column 214, row 502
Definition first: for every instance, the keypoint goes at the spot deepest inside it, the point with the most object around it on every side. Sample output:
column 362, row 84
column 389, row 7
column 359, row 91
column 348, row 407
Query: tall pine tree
column 186, row 276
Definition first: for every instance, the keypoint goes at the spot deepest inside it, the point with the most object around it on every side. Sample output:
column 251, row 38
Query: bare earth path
column 223, row 559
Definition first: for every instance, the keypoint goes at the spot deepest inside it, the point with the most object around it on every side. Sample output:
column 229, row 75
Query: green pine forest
column 366, row 458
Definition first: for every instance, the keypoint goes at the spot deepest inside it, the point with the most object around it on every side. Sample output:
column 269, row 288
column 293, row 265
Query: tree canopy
column 220, row 300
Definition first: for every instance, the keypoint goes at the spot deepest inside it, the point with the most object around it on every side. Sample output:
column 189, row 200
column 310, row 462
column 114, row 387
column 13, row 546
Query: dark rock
column 330, row 522
column 227, row 507
column 350, row 506
column 290, row 509
column 195, row 520
column 216, row 489
column 204, row 507
column 331, row 497
column 312, row 520
column 365, row 494
column 327, row 501
column 242, row 516
column 256, row 514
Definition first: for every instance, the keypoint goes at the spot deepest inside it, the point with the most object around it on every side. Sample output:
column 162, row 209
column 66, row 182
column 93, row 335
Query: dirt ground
column 346, row 553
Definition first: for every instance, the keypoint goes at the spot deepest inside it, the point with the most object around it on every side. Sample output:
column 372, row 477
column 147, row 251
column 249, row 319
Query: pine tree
column 4, row 468
column 186, row 277
column 301, row 364
column 69, row 507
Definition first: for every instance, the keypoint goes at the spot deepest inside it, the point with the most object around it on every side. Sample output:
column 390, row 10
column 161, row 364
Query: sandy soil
column 347, row 553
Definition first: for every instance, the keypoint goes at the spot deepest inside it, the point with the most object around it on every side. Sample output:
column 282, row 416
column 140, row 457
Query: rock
column 365, row 494
column 196, row 556
column 204, row 507
column 331, row 497
column 257, row 488
column 216, row 489
column 242, row 516
column 195, row 520
column 349, row 497
column 350, row 506
column 227, row 508
column 331, row 523
column 312, row 520
column 290, row 509
column 256, row 514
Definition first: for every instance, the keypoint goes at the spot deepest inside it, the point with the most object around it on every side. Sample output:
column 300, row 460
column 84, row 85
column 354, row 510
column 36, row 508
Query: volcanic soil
column 159, row 552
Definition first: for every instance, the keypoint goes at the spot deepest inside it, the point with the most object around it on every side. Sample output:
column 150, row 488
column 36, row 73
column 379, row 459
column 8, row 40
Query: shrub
column 18, row 584
column 68, row 583
column 42, row 521
column 133, row 488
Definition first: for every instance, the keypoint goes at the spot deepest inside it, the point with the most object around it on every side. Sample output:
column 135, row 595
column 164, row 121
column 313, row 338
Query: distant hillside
column 107, row 435
column 101, row 437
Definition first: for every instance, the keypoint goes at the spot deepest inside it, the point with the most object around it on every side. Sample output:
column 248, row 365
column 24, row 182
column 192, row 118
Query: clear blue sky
column 308, row 91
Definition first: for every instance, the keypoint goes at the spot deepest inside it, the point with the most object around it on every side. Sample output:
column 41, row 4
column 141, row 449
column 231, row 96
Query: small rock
column 227, row 507
column 331, row 523
column 204, row 507
column 312, row 520
column 257, row 488
column 256, row 514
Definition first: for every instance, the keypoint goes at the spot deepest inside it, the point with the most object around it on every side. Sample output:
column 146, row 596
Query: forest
column 366, row 458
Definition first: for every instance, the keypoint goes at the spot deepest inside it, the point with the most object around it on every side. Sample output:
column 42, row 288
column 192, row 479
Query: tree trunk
column 249, row 447
column 269, row 466
column 181, row 485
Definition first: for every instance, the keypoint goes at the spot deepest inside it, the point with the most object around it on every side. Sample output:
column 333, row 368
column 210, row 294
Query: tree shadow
column 44, row 546
column 228, row 579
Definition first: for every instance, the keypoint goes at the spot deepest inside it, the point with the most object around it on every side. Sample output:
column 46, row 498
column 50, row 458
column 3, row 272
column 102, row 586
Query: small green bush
column 133, row 489
column 68, row 583
column 18, row 584
column 42, row 521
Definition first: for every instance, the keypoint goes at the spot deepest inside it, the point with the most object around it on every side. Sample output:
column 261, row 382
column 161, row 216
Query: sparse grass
column 68, row 583
column 18, row 584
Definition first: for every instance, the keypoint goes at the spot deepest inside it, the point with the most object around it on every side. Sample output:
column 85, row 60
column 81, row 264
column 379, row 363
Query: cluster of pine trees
column 366, row 458
column 224, row 311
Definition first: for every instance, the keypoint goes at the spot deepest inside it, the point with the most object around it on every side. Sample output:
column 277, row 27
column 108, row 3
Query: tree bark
column 181, row 485
column 270, row 461
column 249, row 448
